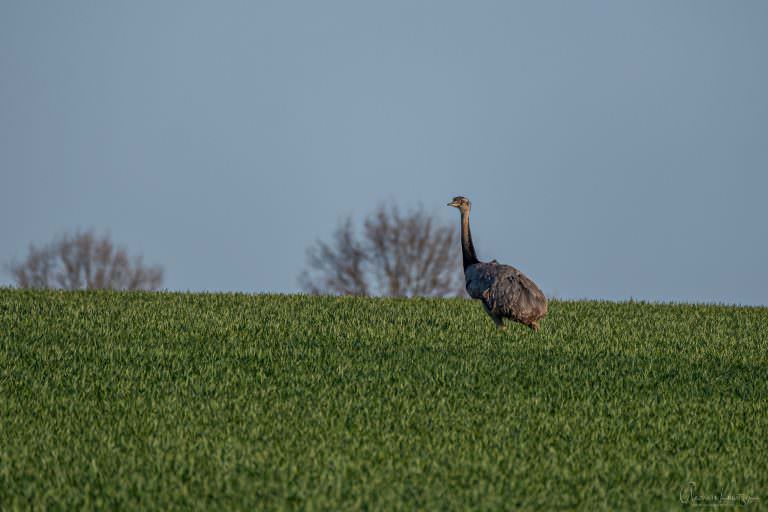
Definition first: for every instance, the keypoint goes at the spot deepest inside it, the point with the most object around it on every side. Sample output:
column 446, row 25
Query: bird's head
column 460, row 202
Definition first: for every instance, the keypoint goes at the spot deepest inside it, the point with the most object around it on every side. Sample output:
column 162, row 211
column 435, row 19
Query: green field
column 231, row 401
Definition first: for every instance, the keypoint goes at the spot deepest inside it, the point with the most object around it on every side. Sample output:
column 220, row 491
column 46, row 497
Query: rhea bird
column 504, row 291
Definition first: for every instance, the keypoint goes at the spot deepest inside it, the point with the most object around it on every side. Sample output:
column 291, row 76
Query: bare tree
column 84, row 261
column 338, row 267
column 398, row 254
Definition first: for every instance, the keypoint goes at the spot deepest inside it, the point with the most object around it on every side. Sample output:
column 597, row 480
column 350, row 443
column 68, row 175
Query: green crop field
column 230, row 401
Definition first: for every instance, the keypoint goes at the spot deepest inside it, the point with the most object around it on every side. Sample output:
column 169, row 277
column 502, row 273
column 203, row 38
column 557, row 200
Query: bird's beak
column 453, row 204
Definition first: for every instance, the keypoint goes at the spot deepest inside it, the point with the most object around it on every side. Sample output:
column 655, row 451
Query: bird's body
column 504, row 291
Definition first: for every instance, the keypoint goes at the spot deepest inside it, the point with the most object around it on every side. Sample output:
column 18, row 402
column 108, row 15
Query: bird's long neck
column 467, row 249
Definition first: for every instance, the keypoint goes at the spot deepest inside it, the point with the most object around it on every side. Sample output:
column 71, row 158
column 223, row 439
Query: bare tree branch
column 84, row 261
column 338, row 268
column 399, row 254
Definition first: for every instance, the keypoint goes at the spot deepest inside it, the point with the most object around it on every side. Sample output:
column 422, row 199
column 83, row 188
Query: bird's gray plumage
column 504, row 291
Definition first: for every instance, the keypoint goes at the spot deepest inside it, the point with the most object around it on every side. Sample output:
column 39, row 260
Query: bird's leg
column 496, row 319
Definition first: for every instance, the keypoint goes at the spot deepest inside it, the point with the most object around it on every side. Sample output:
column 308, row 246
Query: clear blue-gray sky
column 611, row 149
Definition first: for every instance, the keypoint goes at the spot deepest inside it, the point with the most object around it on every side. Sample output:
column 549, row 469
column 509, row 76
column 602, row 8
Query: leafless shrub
column 399, row 254
column 84, row 261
